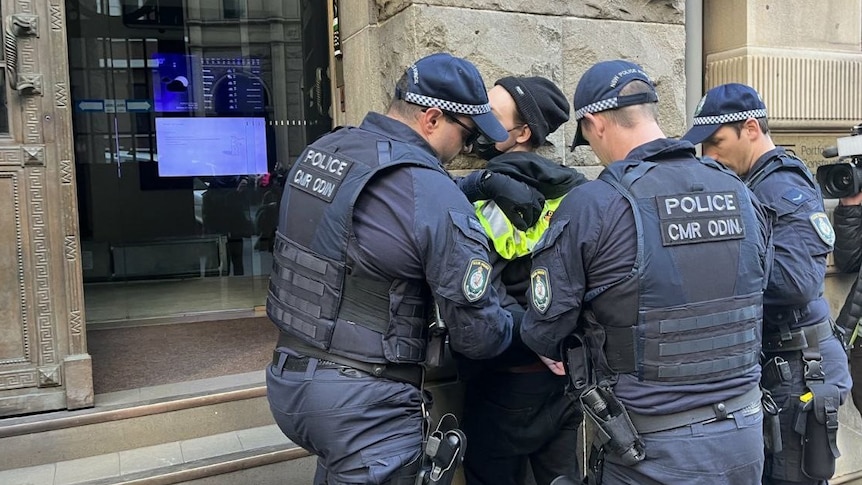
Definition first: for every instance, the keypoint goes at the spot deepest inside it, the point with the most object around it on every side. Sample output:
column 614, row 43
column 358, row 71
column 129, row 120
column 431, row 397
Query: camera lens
column 842, row 178
column 839, row 180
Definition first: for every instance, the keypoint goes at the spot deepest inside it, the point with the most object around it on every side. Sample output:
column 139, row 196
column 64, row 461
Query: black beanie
column 540, row 103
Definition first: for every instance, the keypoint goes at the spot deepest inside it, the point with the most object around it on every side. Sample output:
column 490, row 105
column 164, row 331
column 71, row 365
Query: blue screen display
column 211, row 146
column 175, row 83
column 233, row 85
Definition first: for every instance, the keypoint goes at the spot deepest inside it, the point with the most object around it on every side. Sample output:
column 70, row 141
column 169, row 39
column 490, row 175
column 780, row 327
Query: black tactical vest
column 313, row 295
column 690, row 311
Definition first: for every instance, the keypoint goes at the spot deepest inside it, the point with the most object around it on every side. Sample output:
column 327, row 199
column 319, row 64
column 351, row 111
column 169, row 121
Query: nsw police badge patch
column 476, row 279
column 540, row 288
column 821, row 224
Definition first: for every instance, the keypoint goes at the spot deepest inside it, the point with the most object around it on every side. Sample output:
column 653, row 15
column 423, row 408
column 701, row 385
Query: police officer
column 657, row 270
column 515, row 413
column 372, row 233
column 805, row 367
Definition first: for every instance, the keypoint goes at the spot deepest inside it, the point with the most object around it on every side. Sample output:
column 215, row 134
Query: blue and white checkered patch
column 451, row 106
column 598, row 106
column 729, row 117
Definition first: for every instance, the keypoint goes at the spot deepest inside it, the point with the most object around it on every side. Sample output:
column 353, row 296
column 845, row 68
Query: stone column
column 804, row 58
column 557, row 39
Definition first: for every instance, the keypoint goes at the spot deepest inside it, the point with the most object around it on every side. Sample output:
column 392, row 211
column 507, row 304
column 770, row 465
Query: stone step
column 207, row 432
column 259, row 455
column 137, row 419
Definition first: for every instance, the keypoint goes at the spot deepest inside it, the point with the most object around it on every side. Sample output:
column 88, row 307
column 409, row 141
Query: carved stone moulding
column 34, row 154
column 17, row 379
column 21, row 77
column 11, row 157
column 50, row 376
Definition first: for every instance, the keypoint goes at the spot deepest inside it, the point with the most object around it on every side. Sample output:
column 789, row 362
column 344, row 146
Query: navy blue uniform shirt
column 799, row 265
column 403, row 222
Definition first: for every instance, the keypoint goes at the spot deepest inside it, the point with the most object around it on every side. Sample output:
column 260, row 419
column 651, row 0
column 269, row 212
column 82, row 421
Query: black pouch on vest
column 775, row 371
column 771, row 424
column 817, row 423
column 576, row 357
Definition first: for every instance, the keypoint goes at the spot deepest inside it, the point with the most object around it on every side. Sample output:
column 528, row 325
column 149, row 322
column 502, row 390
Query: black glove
column 521, row 203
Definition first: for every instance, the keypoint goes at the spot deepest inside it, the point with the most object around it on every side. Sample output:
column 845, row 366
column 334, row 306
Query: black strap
column 807, row 340
column 652, row 424
column 409, row 373
column 811, row 358
column 786, row 340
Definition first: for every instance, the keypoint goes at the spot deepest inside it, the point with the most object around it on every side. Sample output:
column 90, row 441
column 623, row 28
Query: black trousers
column 515, row 420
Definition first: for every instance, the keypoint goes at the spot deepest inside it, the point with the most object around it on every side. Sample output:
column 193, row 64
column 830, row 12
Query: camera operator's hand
column 852, row 200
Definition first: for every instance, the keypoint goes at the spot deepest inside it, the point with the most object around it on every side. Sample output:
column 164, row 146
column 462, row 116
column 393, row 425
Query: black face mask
column 486, row 148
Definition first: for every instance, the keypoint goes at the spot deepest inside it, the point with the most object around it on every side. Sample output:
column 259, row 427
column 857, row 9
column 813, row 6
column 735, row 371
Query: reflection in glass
column 234, row 9
column 188, row 116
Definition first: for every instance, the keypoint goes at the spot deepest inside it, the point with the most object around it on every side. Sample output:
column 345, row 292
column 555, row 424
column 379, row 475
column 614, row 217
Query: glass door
column 187, row 117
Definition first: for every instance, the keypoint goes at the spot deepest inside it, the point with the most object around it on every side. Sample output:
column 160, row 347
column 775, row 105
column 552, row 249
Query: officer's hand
column 555, row 366
column 521, row 203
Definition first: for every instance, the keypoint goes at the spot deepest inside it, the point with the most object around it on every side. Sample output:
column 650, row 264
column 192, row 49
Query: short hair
column 627, row 115
column 763, row 123
column 399, row 106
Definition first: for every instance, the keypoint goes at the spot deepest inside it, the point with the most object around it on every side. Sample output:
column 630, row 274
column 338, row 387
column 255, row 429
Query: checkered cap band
column 451, row 106
column 603, row 105
column 729, row 117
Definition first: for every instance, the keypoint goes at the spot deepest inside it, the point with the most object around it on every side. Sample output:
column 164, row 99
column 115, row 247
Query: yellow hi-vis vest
column 509, row 242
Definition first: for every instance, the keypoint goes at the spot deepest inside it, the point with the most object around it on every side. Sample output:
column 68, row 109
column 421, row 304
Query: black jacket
column 848, row 256
column 512, row 277
column 553, row 181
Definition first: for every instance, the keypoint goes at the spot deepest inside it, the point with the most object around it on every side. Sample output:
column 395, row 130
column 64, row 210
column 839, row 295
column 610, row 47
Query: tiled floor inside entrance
column 115, row 303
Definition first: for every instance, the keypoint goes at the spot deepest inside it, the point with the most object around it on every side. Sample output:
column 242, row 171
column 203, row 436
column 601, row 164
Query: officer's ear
column 751, row 129
column 593, row 127
column 429, row 121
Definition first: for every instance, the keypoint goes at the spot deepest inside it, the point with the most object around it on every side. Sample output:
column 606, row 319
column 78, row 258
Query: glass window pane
column 4, row 115
column 257, row 68
column 234, row 9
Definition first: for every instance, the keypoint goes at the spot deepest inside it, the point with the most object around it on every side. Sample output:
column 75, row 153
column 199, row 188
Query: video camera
column 843, row 179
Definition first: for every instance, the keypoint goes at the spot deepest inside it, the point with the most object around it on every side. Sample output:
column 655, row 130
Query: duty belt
column 718, row 411
column 299, row 364
column 797, row 339
column 409, row 373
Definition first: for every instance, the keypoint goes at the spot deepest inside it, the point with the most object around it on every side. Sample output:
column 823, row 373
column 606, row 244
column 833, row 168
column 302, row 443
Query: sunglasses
column 472, row 133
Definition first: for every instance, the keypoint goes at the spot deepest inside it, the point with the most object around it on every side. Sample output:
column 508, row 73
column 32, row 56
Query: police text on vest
column 319, row 173
column 699, row 217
